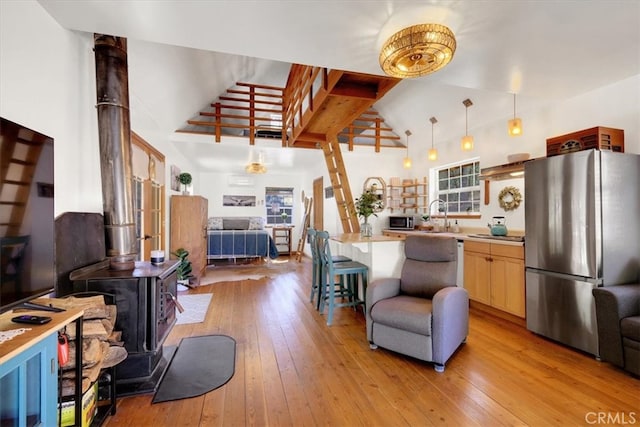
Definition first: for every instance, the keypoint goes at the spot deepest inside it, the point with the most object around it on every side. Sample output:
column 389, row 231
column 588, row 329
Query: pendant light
column 515, row 124
column 467, row 140
column 407, row 160
column 255, row 166
column 433, row 153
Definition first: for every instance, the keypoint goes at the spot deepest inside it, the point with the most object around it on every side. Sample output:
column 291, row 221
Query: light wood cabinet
column 189, row 230
column 494, row 275
column 391, row 233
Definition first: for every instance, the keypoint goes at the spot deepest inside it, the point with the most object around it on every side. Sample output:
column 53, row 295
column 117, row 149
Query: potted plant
column 185, row 179
column 284, row 217
column 184, row 266
column 366, row 205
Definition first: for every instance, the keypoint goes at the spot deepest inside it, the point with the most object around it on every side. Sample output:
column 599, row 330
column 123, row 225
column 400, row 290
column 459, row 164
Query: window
column 459, row 186
column 279, row 205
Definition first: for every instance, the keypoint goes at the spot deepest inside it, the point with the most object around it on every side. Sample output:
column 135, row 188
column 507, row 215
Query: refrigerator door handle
column 591, row 280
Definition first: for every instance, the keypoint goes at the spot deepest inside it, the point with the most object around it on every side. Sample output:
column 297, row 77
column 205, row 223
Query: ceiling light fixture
column 467, row 140
column 407, row 160
column 515, row 124
column 417, row 50
column 433, row 153
column 256, row 167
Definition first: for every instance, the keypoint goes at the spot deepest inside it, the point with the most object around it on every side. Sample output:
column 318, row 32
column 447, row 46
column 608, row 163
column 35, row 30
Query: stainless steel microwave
column 401, row 222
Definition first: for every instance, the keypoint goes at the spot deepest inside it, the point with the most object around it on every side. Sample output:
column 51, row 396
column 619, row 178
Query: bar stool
column 348, row 273
column 316, row 278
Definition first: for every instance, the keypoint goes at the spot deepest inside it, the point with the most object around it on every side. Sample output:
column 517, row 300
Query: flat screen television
column 27, row 223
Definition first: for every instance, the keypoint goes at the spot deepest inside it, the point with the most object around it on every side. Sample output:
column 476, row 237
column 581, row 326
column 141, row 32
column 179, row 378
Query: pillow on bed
column 256, row 223
column 235, row 223
column 214, row 223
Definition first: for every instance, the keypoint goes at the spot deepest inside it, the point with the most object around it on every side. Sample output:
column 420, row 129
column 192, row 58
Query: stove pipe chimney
column 112, row 89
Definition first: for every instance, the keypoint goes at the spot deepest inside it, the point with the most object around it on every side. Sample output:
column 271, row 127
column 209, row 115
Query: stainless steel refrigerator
column 582, row 227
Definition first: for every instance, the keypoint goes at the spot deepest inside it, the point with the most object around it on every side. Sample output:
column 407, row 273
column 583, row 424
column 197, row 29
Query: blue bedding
column 240, row 244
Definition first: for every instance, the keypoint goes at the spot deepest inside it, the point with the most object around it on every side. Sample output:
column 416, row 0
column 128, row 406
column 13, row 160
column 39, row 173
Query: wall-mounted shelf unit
column 377, row 186
column 408, row 195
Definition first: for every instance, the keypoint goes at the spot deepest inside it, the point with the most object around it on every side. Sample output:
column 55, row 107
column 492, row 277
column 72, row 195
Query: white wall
column 47, row 82
column 616, row 105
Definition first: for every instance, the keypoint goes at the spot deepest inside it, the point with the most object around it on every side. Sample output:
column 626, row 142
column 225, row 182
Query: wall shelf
column 377, row 186
column 408, row 196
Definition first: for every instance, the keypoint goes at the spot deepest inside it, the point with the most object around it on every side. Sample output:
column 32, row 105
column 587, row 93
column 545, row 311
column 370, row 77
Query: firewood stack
column 101, row 344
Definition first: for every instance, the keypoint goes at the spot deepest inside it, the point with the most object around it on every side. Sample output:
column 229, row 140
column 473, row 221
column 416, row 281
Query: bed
column 232, row 237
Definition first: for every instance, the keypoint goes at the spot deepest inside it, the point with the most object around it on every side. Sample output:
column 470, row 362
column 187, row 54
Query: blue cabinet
column 29, row 370
column 28, row 386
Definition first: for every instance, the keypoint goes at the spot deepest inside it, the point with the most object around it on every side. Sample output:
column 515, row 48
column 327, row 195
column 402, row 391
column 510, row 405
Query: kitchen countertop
column 357, row 238
column 512, row 240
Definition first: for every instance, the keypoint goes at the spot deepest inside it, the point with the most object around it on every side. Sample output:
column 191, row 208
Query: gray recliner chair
column 423, row 313
column 618, row 318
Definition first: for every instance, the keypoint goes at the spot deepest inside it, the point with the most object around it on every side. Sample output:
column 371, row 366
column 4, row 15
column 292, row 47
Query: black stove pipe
column 114, row 127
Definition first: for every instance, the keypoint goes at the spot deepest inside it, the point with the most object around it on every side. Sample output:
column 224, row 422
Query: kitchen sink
column 491, row 236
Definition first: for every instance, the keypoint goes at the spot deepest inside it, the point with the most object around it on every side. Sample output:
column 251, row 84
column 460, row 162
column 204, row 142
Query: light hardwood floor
column 294, row 370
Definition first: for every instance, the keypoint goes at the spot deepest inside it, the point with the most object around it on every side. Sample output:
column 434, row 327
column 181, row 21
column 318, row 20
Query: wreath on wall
column 509, row 198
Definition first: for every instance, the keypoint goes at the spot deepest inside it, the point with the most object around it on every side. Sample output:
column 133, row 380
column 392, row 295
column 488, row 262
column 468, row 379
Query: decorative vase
column 366, row 230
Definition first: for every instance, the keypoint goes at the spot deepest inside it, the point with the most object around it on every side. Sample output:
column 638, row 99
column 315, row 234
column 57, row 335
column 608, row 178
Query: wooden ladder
column 341, row 188
column 306, row 221
column 19, row 158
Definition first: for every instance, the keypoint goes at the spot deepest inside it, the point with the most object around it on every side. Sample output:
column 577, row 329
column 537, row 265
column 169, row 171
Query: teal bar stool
column 317, row 276
column 344, row 291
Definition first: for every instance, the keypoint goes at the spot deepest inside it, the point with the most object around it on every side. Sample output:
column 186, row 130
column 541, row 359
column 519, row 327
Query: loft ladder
column 306, row 222
column 341, row 187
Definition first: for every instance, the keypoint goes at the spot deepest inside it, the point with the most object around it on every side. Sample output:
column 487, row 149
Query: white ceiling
column 544, row 50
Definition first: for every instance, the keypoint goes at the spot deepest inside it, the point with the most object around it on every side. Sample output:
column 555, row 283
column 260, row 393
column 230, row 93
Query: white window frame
column 277, row 201
column 453, row 195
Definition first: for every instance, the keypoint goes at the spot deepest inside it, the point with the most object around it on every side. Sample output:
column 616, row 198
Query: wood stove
column 145, row 300
column 144, row 297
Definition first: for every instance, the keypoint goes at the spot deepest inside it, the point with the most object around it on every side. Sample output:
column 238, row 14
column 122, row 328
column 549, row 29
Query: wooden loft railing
column 254, row 111
column 319, row 104
column 317, row 108
column 373, row 123
column 255, row 104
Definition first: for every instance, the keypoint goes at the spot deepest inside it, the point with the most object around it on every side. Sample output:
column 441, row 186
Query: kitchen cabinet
column 494, row 275
column 410, row 196
column 189, row 230
column 282, row 239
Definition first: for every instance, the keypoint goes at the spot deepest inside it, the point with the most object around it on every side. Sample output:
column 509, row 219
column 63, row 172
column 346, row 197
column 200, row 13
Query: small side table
column 282, row 239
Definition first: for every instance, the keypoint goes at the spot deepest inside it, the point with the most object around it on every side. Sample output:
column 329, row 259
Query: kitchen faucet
column 446, row 226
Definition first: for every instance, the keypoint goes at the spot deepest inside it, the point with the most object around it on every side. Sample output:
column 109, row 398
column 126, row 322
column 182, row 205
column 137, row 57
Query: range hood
column 506, row 171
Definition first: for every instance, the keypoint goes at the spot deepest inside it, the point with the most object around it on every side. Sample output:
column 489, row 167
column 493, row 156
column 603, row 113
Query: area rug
column 199, row 365
column 195, row 308
column 236, row 273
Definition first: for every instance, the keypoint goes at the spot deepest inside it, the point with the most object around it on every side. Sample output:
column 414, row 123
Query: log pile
column 102, row 346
